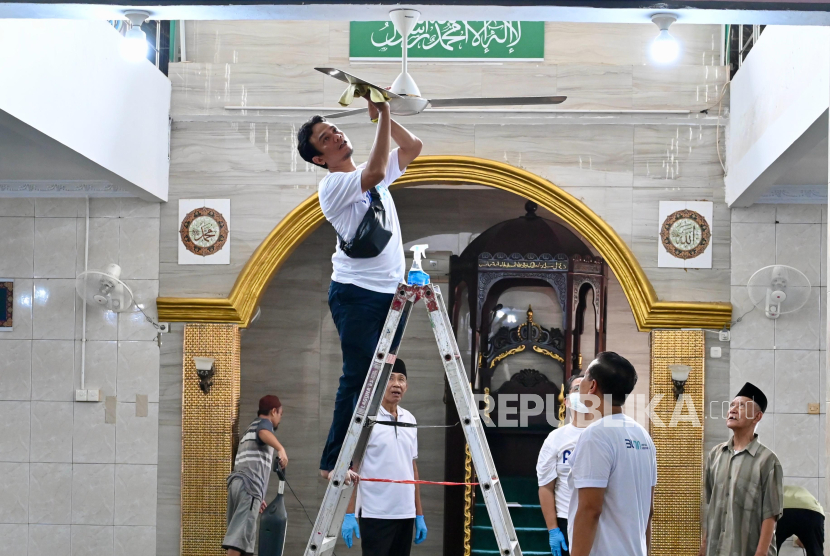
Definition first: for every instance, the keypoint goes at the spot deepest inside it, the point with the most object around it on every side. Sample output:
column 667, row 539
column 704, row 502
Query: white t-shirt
column 554, row 463
column 344, row 205
column 615, row 453
column 389, row 455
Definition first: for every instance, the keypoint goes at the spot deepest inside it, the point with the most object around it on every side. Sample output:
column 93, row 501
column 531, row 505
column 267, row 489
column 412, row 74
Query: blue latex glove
column 349, row 526
column 557, row 542
column 420, row 529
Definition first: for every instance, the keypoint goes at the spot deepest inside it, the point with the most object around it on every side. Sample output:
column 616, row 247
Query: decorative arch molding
column 649, row 312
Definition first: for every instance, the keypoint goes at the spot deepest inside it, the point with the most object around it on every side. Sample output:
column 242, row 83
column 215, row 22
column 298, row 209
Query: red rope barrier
column 440, row 483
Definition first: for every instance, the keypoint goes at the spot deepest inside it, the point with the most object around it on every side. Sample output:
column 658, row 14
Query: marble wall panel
column 55, row 247
column 593, row 87
column 235, row 42
column 604, row 148
column 14, row 487
column 207, row 88
column 15, row 430
column 799, row 245
column 51, row 432
column 693, row 88
column 17, row 207
column 17, row 249
column 797, row 380
column 93, row 438
column 49, row 540
column 798, row 453
column 756, row 366
column 52, row 370
column 16, row 370
column 134, row 541
column 59, row 207
column 101, row 367
column 53, row 311
column 91, row 540
column 50, row 493
column 666, row 152
column 93, row 494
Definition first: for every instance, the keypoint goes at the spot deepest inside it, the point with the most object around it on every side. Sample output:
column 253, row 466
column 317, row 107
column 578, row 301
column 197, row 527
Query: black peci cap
column 754, row 393
column 399, row 367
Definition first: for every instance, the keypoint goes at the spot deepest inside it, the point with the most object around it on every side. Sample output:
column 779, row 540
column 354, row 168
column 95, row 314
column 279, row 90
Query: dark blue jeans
column 359, row 315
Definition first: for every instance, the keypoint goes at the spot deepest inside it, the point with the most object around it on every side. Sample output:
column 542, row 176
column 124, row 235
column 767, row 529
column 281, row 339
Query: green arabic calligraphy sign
column 454, row 40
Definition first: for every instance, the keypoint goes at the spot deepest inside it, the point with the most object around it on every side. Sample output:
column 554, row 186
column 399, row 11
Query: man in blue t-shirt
column 361, row 288
column 249, row 480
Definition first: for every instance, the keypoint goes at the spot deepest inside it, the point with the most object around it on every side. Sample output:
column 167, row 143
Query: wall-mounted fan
column 105, row 289
column 778, row 290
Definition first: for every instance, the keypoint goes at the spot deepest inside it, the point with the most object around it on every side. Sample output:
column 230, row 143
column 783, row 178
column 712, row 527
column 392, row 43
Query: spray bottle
column 417, row 276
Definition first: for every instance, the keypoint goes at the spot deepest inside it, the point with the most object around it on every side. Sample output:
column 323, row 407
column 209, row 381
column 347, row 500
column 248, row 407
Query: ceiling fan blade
column 345, row 113
column 351, row 79
column 495, row 101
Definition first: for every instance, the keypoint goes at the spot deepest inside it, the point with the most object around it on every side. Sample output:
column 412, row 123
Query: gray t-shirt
column 254, row 459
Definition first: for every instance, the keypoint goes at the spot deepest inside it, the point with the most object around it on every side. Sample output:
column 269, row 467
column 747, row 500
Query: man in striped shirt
column 249, row 480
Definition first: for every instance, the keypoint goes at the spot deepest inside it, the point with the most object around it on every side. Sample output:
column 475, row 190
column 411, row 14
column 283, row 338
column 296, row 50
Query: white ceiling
column 379, row 11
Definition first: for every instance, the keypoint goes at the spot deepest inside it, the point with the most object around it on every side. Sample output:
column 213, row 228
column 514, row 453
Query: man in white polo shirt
column 368, row 261
column 614, row 468
column 388, row 511
column 553, row 467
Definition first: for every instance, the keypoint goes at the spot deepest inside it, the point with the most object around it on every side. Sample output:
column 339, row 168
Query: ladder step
column 327, row 544
column 517, row 529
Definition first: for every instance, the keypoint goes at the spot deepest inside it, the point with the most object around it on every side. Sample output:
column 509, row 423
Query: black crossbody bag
column 373, row 233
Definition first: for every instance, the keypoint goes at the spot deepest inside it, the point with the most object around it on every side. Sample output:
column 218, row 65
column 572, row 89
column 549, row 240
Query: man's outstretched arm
column 410, row 146
column 375, row 170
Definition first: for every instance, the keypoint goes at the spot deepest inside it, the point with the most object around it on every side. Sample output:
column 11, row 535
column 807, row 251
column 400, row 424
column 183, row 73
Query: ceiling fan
column 404, row 96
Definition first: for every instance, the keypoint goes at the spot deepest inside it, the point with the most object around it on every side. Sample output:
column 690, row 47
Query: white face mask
column 576, row 403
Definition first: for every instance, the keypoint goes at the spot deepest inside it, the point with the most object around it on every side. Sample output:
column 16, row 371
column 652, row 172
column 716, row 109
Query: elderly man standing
column 744, row 485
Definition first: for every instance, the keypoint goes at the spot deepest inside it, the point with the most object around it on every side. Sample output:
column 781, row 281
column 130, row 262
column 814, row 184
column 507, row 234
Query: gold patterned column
column 209, row 435
column 676, row 524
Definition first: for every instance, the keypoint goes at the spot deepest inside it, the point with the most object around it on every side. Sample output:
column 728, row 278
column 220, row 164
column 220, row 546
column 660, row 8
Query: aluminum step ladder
column 333, row 509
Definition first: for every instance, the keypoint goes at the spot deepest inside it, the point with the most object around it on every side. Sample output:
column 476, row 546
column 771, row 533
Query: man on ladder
column 368, row 262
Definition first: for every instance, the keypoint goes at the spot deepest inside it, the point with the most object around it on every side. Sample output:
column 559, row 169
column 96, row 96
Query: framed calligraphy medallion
column 685, row 234
column 204, row 231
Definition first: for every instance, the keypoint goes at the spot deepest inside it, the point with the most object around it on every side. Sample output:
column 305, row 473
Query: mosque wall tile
column 49, row 540
column 133, row 325
column 50, row 493
column 135, row 495
column 14, row 485
column 797, row 380
column 15, row 425
column 53, row 370
column 138, row 236
column 56, row 207
column 16, row 370
column 103, row 243
column 595, row 87
column 53, row 309
column 14, row 534
column 138, row 371
column 135, row 540
column 799, row 245
column 93, row 494
column 801, row 330
column 798, row 453
column 757, row 239
column 136, row 438
column 17, row 249
column 51, row 432
column 17, row 207
column 55, row 247
column 91, row 539
column 755, row 331
column 755, row 213
column 93, row 439
column 101, row 366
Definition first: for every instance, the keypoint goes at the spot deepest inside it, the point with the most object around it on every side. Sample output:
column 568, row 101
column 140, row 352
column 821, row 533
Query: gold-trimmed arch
column 649, row 312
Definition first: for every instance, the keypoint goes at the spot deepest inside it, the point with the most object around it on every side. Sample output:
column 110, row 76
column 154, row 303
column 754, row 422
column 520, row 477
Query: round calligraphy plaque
column 685, row 234
column 204, row 231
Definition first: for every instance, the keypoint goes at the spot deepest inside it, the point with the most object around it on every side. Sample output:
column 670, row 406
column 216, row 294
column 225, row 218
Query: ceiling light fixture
column 664, row 48
column 134, row 47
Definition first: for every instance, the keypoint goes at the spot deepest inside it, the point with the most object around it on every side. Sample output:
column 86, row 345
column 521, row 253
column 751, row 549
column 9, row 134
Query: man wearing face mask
column 553, row 467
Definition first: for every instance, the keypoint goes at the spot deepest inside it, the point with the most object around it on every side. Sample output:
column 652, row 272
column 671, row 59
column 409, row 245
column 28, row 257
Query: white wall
column 68, row 80
column 784, row 357
column 69, row 482
column 780, row 91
